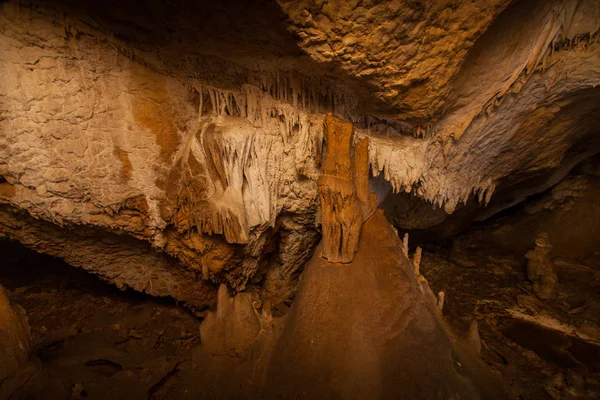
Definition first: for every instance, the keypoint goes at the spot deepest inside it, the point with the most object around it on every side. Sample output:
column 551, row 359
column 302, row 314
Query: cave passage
column 303, row 199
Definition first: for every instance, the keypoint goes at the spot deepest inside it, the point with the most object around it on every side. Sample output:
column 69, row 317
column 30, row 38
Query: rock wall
column 202, row 138
column 94, row 137
column 15, row 344
column 522, row 101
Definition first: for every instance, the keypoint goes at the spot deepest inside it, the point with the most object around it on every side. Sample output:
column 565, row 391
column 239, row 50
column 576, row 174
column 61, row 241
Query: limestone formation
column 344, row 191
column 416, row 260
column 235, row 325
column 199, row 172
column 440, row 300
column 201, row 140
column 335, row 344
column 483, row 127
column 223, row 154
column 405, row 244
column 122, row 261
column 540, row 268
column 367, row 199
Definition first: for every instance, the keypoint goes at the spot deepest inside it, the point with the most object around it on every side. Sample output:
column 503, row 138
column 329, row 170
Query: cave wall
column 569, row 213
column 94, row 137
column 199, row 133
column 524, row 96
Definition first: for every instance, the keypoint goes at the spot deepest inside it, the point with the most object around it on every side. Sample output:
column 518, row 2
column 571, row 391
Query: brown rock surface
column 177, row 147
column 124, row 261
column 367, row 199
column 341, row 214
column 91, row 137
column 201, row 135
column 406, row 51
column 15, row 343
column 367, row 329
column 540, row 269
column 346, row 200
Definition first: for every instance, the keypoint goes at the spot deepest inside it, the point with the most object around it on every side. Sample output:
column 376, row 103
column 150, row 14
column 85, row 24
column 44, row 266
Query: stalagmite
column 440, row 300
column 417, row 260
column 234, row 325
column 221, row 154
column 540, row 268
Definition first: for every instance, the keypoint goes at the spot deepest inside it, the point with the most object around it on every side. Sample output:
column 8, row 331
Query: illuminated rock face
column 487, row 92
column 200, row 145
column 190, row 184
column 344, row 191
column 340, row 211
column 368, row 329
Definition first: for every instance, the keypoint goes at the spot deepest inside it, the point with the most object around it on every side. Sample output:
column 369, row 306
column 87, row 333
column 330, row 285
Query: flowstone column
column 344, row 191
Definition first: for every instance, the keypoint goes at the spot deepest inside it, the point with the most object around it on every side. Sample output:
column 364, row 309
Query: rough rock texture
column 499, row 91
column 367, row 329
column 407, row 51
column 124, row 261
column 234, row 326
column 15, row 342
column 202, row 137
column 343, row 186
column 92, row 137
column 366, row 198
column 546, row 348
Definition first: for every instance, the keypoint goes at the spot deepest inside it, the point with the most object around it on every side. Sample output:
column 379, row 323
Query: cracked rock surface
column 174, row 147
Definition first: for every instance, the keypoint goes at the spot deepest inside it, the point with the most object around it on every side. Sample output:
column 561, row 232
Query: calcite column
column 345, row 200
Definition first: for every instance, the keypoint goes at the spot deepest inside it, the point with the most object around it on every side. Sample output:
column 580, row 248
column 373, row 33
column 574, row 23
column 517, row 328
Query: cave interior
column 300, row 199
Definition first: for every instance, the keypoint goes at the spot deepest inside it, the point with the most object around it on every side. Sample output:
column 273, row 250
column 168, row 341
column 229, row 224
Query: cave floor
column 93, row 340
column 97, row 342
column 543, row 349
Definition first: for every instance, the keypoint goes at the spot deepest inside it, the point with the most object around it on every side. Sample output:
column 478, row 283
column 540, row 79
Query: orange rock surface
column 344, row 191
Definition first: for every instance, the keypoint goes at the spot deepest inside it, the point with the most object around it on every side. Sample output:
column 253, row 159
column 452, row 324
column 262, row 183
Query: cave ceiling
column 195, row 129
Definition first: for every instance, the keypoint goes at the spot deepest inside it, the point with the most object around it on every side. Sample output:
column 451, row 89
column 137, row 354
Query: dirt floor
column 543, row 349
column 92, row 340
column 96, row 342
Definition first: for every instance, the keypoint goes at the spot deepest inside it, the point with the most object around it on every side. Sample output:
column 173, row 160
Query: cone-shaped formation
column 344, row 191
column 368, row 330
